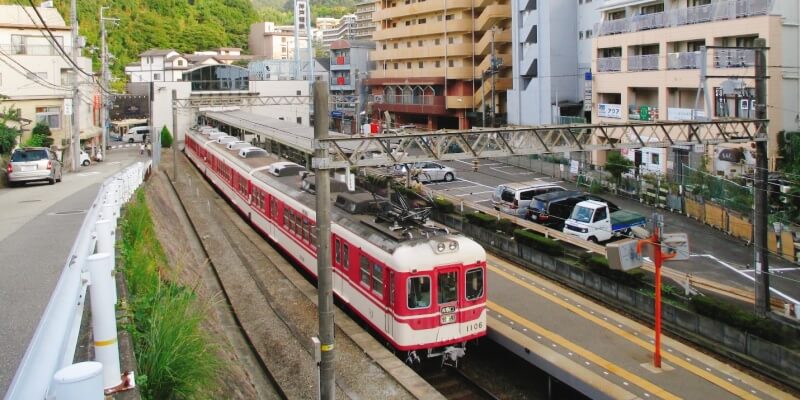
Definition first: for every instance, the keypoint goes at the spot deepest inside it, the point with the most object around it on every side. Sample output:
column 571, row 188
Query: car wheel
column 85, row 163
column 130, row 140
column 51, row 181
column 448, row 177
column 593, row 239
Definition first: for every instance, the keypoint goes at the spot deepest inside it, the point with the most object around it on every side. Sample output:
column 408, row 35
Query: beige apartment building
column 430, row 57
column 364, row 25
column 275, row 42
column 647, row 60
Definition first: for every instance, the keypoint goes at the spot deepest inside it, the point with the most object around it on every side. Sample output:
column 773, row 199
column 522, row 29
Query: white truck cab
column 592, row 220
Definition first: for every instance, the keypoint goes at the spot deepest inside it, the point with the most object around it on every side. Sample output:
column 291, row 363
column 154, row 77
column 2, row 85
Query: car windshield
column 582, row 214
column 29, row 155
column 507, row 195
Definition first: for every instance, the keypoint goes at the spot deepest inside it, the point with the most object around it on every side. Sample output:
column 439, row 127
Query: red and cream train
column 423, row 289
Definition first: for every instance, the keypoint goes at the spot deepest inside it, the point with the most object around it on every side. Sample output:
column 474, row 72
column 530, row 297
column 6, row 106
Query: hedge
column 539, row 242
column 599, row 265
column 480, row 219
column 443, row 205
column 732, row 315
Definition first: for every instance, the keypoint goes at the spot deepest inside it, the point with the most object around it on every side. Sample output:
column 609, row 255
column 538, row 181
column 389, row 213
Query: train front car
column 441, row 299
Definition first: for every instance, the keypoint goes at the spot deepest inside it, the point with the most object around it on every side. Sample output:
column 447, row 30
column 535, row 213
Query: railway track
column 454, row 385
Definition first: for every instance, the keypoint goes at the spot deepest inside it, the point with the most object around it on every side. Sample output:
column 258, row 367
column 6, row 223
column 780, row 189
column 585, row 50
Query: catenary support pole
column 658, row 225
column 75, row 147
column 760, row 249
column 324, row 271
column 174, row 136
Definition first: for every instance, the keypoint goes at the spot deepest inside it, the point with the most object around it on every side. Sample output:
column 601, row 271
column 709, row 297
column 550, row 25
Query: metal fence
column 727, row 193
column 55, row 339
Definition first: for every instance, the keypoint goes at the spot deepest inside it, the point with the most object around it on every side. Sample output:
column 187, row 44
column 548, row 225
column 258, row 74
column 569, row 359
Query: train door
column 390, row 313
column 447, row 298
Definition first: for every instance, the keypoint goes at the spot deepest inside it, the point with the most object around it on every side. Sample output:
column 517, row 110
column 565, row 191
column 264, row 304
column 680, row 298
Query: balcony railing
column 609, row 64
column 405, row 99
column 648, row 62
column 340, row 60
column 31, row 50
column 690, row 60
column 221, row 85
column 734, row 58
column 340, row 81
column 718, row 11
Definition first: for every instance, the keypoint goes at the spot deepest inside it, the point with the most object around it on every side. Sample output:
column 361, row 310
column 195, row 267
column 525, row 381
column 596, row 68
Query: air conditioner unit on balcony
column 378, row 98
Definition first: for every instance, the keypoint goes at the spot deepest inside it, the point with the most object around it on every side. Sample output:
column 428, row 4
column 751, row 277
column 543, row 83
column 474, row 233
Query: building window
column 419, row 43
column 156, row 77
column 50, row 116
column 420, row 65
column 588, row 33
column 438, row 64
column 450, row 63
column 535, row 34
column 66, row 76
column 450, row 40
column 421, row 21
column 449, row 17
column 396, row 65
column 408, row 65
column 580, row 35
column 655, row 159
column 436, row 42
column 300, row 120
column 384, row 46
column 408, row 44
column 408, row 23
column 395, row 45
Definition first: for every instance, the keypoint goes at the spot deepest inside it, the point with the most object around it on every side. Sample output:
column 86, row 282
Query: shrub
column 483, row 220
column 736, row 317
column 166, row 138
column 443, row 205
column 506, row 226
column 599, row 265
column 538, row 241
column 596, row 188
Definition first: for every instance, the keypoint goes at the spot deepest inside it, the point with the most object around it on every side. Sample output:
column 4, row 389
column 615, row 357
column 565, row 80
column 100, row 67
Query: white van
column 137, row 134
column 514, row 198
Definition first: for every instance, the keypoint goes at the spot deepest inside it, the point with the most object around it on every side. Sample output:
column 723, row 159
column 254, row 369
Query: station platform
column 599, row 352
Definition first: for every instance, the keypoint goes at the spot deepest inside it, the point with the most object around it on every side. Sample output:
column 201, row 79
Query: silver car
column 32, row 164
column 426, row 171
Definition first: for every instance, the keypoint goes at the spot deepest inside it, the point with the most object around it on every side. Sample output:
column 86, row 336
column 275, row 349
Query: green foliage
column 166, row 138
column 40, row 136
column 480, row 219
column 599, row 265
column 175, row 358
column 538, row 241
column 616, row 165
column 443, row 205
column 596, row 187
column 506, row 226
column 744, row 320
column 8, row 133
column 789, row 151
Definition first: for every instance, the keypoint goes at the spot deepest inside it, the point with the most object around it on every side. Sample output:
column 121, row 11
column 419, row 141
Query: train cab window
column 377, row 279
column 474, row 289
column 345, row 256
column 419, row 292
column 364, row 270
column 448, row 289
column 337, row 251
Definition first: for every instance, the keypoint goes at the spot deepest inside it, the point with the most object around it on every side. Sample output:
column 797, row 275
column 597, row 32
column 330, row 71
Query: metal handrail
column 55, row 339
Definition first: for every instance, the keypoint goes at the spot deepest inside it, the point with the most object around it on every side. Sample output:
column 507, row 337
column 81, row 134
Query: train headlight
column 444, row 246
column 453, row 246
column 440, row 247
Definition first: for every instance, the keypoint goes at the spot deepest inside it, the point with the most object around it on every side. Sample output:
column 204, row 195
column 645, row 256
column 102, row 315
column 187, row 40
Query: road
column 714, row 254
column 38, row 227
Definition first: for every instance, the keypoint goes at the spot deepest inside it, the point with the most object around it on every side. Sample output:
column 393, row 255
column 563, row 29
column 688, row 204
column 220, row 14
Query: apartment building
column 36, row 79
column 647, row 63
column 342, row 30
column 551, row 61
column 433, row 62
column 364, row 25
column 349, row 64
column 274, row 41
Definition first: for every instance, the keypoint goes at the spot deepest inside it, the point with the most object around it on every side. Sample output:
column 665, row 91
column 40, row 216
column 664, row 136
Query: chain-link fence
column 727, row 193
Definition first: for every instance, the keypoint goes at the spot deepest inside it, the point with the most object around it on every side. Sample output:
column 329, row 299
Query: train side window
column 346, row 256
column 474, row 289
column 313, row 232
column 364, row 270
column 377, row 279
column 287, row 218
column 337, row 251
column 298, row 225
column 306, row 235
column 391, row 287
column 419, row 292
column 447, row 289
column 273, row 208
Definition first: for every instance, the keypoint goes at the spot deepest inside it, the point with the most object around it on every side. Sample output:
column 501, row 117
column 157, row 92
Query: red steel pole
column 657, row 260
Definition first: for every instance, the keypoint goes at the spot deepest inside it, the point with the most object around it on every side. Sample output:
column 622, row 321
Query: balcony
column 484, row 45
column 718, row 11
column 492, row 14
column 431, row 28
column 341, row 83
column 686, row 60
column 609, row 64
column 734, row 58
column 420, row 8
column 648, row 62
column 415, row 52
column 419, row 104
column 340, row 63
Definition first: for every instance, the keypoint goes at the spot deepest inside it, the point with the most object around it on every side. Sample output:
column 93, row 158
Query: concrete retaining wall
column 781, row 362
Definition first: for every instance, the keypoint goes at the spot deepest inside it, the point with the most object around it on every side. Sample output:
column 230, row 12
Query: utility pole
column 106, row 100
column 174, row 136
column 327, row 387
column 494, row 72
column 358, row 102
column 75, row 147
column 760, row 250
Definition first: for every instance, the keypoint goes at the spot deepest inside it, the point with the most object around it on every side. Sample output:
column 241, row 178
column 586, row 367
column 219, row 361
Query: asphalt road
column 38, row 226
column 714, row 254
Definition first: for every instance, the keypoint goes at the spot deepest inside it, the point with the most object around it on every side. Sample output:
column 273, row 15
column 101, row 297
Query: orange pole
column 657, row 259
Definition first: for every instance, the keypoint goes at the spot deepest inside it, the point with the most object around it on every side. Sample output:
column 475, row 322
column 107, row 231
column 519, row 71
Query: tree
column 166, row 138
column 8, row 134
column 617, row 165
column 41, row 136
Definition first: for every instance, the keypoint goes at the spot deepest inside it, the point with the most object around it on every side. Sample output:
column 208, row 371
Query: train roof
column 363, row 222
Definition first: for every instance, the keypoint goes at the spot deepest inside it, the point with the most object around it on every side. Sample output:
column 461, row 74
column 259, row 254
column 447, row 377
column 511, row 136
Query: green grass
column 176, row 360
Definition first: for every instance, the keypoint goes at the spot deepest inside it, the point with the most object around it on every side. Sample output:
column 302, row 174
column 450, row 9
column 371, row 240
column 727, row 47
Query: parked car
column 136, row 134
column 425, row 171
column 513, row 198
column 32, row 164
column 552, row 209
column 85, row 160
column 594, row 221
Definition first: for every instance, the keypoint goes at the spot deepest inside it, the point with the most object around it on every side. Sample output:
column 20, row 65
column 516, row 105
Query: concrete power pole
column 106, row 103
column 327, row 388
column 760, row 250
column 75, row 147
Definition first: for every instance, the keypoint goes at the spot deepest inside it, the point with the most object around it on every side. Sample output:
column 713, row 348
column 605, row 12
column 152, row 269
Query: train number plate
column 448, row 318
column 448, row 310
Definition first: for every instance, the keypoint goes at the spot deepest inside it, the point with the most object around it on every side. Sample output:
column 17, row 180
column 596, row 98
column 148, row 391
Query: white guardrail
column 47, row 370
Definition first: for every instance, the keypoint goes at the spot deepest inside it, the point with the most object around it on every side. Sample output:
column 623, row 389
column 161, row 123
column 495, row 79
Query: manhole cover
column 70, row 212
column 29, row 201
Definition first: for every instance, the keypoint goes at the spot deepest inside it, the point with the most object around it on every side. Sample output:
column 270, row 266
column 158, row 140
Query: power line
column 28, row 73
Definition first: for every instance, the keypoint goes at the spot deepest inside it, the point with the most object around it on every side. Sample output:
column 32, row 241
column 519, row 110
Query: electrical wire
column 28, row 73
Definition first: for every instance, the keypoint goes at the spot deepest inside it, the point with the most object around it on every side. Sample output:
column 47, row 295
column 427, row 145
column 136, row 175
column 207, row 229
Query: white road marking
column 476, row 183
column 474, row 193
column 736, row 270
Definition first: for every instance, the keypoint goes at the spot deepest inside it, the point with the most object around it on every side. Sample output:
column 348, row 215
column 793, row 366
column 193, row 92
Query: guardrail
column 52, row 347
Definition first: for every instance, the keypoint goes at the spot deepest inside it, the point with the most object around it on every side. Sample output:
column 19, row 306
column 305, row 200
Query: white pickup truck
column 591, row 220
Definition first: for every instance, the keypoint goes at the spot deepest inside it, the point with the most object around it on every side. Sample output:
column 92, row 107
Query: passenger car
column 136, row 134
column 513, row 198
column 425, row 171
column 32, row 164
